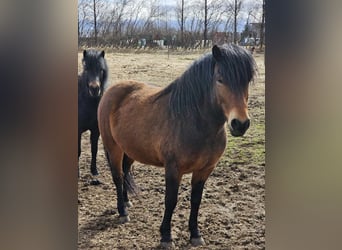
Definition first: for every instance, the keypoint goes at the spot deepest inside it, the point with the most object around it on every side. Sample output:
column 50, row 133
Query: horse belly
column 144, row 158
column 139, row 149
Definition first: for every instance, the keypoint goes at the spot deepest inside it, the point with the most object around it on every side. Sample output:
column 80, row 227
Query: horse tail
column 107, row 157
column 131, row 186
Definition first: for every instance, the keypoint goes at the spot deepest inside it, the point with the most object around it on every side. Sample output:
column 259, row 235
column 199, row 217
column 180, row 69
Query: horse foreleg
column 172, row 179
column 197, row 184
column 94, row 138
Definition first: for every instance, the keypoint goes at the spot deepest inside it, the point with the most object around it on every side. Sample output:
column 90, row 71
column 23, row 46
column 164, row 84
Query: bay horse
column 91, row 84
column 180, row 127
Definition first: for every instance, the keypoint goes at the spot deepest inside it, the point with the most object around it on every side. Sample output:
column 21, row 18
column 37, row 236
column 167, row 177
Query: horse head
column 234, row 69
column 95, row 72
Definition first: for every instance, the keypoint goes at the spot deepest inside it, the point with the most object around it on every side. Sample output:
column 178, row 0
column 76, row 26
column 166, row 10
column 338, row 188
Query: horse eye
column 220, row 80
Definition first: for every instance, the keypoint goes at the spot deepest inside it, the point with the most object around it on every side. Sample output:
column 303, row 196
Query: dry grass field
column 232, row 213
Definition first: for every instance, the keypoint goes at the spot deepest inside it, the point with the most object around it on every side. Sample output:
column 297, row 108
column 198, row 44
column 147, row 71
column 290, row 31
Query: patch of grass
column 188, row 58
column 249, row 149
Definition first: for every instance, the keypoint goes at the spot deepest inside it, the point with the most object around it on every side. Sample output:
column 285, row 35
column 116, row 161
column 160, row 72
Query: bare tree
column 237, row 8
column 126, row 21
column 95, row 21
column 215, row 15
column 153, row 12
column 252, row 9
column 121, row 6
column 182, row 23
column 191, row 20
column 133, row 17
column 205, row 32
column 180, row 9
column 232, row 9
column 262, row 25
column 195, row 14
column 82, row 16
column 93, row 8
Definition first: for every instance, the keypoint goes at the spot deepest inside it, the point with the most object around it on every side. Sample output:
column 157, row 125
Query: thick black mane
column 195, row 87
column 238, row 67
column 192, row 88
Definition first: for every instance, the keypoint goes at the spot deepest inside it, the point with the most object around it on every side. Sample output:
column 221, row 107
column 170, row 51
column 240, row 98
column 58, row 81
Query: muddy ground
column 232, row 212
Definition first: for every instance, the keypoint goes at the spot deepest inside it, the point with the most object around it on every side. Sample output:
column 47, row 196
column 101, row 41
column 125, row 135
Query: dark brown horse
column 91, row 85
column 180, row 127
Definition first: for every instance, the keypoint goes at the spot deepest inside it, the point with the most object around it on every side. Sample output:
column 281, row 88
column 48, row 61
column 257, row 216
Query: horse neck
column 192, row 97
column 192, row 89
column 211, row 117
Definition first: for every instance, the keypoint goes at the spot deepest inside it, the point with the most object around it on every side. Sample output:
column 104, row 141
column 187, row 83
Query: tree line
column 186, row 23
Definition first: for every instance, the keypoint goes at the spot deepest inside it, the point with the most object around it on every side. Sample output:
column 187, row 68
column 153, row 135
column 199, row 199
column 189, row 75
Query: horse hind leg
column 129, row 184
column 115, row 160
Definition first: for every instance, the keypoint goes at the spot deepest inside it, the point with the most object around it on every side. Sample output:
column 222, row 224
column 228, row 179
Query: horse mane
column 238, row 67
column 189, row 90
column 195, row 86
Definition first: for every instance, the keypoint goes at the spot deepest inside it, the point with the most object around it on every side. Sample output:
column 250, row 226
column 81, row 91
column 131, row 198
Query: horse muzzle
column 94, row 89
column 238, row 128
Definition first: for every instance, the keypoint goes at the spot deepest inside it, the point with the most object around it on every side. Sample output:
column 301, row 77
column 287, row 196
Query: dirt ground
column 232, row 212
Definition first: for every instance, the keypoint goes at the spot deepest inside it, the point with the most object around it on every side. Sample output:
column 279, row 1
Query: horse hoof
column 95, row 182
column 124, row 219
column 167, row 245
column 128, row 204
column 197, row 242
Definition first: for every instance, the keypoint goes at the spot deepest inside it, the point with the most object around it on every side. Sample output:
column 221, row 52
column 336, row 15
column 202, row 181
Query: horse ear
column 85, row 53
column 102, row 53
column 217, row 53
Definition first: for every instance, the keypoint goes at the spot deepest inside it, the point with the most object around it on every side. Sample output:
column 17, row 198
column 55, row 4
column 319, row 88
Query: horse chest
column 194, row 152
column 87, row 115
column 208, row 148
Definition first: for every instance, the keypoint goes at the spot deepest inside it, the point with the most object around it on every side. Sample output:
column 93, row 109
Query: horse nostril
column 246, row 124
column 239, row 126
column 235, row 124
column 95, row 90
